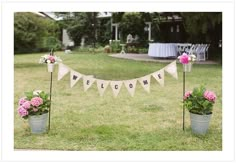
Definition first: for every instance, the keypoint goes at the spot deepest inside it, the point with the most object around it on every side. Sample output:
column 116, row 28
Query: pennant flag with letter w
column 74, row 77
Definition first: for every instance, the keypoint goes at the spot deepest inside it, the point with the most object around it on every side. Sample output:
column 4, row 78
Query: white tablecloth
column 163, row 50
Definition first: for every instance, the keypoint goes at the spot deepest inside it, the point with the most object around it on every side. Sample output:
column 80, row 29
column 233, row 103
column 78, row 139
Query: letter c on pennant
column 116, row 86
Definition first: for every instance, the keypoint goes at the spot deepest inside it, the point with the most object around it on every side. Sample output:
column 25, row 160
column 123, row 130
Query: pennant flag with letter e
column 116, row 86
column 88, row 81
column 159, row 76
column 130, row 85
column 63, row 70
column 74, row 77
column 145, row 82
column 102, row 86
column 172, row 69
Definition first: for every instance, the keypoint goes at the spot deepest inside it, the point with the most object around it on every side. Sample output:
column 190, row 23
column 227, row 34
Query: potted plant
column 50, row 60
column 187, row 61
column 200, row 103
column 35, row 106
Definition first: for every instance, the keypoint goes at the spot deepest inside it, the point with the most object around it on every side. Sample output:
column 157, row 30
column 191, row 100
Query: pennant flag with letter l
column 159, row 76
column 88, row 81
column 62, row 71
column 172, row 69
column 74, row 77
column 130, row 85
column 145, row 82
column 102, row 86
column 116, row 86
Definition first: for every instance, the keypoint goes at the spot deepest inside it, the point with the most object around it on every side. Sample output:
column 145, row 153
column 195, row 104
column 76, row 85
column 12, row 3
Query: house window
column 171, row 29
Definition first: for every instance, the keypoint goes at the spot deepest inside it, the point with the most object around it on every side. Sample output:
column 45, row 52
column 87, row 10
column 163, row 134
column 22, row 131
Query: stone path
column 145, row 57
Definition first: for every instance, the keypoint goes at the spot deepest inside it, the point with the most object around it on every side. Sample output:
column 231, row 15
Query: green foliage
column 32, row 32
column 197, row 103
column 132, row 23
column 115, row 46
column 203, row 26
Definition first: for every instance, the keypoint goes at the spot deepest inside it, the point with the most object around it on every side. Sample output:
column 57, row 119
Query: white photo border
column 8, row 153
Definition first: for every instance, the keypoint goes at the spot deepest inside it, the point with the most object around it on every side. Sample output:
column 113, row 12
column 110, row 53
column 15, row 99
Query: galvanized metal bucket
column 38, row 123
column 200, row 123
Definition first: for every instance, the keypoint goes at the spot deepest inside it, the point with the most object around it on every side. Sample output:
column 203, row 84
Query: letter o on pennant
column 131, row 85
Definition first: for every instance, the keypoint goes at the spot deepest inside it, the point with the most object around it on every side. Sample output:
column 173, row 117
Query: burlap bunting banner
column 62, row 71
column 74, row 77
column 102, row 86
column 145, row 82
column 159, row 76
column 116, row 86
column 88, row 81
column 130, row 85
column 172, row 69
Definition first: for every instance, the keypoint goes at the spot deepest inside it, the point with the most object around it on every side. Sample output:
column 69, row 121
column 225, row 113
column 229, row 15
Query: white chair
column 201, row 52
column 208, row 45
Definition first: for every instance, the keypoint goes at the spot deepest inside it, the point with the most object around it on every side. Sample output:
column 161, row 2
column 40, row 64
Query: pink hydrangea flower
column 184, row 58
column 210, row 96
column 22, row 101
column 22, row 112
column 187, row 94
column 36, row 101
column 52, row 59
column 26, row 105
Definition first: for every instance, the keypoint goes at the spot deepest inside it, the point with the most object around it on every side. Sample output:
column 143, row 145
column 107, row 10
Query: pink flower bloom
column 36, row 101
column 52, row 59
column 26, row 105
column 210, row 96
column 184, row 58
column 21, row 101
column 22, row 112
column 187, row 94
column 35, row 109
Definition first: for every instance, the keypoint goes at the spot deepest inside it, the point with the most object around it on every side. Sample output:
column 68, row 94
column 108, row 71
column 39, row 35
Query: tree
column 32, row 31
column 79, row 25
column 135, row 22
column 203, row 26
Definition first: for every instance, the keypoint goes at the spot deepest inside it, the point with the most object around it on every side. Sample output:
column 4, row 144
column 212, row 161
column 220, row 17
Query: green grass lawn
column 85, row 121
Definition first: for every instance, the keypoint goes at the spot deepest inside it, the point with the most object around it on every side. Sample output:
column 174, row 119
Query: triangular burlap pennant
column 145, row 82
column 74, row 77
column 88, row 81
column 159, row 76
column 102, row 86
column 62, row 71
column 172, row 69
column 116, row 86
column 131, row 85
